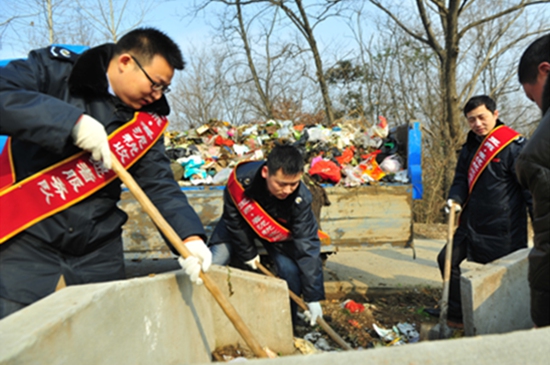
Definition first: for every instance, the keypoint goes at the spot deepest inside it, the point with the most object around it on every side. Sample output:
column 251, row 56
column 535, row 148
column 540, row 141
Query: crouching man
column 266, row 202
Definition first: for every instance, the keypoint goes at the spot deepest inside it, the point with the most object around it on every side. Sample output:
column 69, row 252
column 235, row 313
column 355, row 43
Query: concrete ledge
column 522, row 347
column 162, row 319
column 495, row 296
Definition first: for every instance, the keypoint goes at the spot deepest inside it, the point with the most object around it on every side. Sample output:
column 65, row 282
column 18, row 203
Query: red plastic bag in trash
column 353, row 306
column 346, row 156
column 220, row 141
column 327, row 170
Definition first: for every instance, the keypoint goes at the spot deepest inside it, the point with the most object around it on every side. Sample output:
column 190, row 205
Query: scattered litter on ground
column 304, row 346
column 318, row 341
column 388, row 319
column 353, row 306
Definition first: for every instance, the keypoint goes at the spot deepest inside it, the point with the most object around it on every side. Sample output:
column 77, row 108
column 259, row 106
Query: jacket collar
column 88, row 78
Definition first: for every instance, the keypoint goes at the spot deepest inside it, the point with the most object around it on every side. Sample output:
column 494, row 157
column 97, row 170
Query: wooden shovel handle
column 176, row 241
column 320, row 321
column 447, row 274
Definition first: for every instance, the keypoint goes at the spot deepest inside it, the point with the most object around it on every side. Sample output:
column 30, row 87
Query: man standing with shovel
column 485, row 188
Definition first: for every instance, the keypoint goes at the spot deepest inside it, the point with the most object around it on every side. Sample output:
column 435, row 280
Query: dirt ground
column 433, row 231
column 386, row 309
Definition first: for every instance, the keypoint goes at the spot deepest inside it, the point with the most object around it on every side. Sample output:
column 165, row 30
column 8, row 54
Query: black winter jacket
column 533, row 168
column 294, row 213
column 494, row 221
column 41, row 99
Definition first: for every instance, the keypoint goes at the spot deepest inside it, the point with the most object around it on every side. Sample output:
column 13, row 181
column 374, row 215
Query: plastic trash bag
column 409, row 332
column 370, row 167
column 191, row 166
column 402, row 177
column 326, row 170
column 380, row 129
column 222, row 176
column 391, row 164
column 352, row 176
column 318, row 133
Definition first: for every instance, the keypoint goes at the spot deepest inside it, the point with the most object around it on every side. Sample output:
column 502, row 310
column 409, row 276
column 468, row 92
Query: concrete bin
column 161, row 319
column 495, row 296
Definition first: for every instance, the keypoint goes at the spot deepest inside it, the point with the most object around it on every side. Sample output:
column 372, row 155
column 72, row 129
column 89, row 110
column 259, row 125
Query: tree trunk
column 318, row 63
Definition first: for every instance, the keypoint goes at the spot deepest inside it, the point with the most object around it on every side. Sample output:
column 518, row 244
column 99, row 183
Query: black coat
column 494, row 221
column 41, row 99
column 533, row 168
column 294, row 213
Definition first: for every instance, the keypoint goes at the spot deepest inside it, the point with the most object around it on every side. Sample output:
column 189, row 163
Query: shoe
column 434, row 312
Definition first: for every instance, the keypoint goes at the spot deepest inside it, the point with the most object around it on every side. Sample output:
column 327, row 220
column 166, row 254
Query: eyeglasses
column 154, row 85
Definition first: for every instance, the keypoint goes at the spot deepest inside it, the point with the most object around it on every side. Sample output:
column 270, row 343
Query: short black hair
column 286, row 157
column 537, row 53
column 145, row 43
column 479, row 100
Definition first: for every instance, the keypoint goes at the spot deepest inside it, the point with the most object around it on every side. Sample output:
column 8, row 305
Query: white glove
column 192, row 268
column 199, row 249
column 315, row 311
column 449, row 204
column 252, row 263
column 201, row 258
column 90, row 135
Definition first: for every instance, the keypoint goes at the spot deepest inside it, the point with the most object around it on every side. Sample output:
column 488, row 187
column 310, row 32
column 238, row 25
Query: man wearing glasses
column 59, row 220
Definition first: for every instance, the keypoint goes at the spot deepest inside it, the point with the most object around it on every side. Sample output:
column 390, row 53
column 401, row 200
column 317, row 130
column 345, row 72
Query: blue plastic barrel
column 415, row 160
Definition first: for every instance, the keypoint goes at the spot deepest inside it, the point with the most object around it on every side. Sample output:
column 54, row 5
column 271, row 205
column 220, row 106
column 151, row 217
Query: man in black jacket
column 494, row 206
column 267, row 203
column 55, row 104
column 533, row 169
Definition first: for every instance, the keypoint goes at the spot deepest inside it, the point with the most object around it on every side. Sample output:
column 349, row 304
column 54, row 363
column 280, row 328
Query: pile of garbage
column 345, row 154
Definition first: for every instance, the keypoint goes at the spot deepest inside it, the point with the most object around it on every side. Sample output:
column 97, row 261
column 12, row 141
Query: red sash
column 68, row 182
column 494, row 142
column 7, row 174
column 262, row 223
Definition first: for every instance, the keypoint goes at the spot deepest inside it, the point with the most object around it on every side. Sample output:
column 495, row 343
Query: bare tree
column 450, row 30
column 206, row 90
column 304, row 18
column 34, row 23
column 114, row 17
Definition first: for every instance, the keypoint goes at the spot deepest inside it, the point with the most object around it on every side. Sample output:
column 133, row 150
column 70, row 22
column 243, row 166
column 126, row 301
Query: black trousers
column 30, row 269
column 539, row 283
column 459, row 254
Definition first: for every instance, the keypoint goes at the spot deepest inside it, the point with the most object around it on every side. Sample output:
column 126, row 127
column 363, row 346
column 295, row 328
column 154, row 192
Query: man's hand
column 315, row 311
column 449, row 205
column 90, row 135
column 252, row 263
column 201, row 258
column 192, row 268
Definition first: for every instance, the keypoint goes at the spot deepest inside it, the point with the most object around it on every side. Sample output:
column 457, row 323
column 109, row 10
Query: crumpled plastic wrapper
column 305, row 347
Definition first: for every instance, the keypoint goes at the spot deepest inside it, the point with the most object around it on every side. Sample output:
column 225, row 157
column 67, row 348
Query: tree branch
column 520, row 6
column 416, row 36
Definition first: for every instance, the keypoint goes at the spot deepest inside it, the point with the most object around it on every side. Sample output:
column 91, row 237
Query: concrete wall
column 495, row 296
column 359, row 216
column 522, row 347
column 162, row 319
